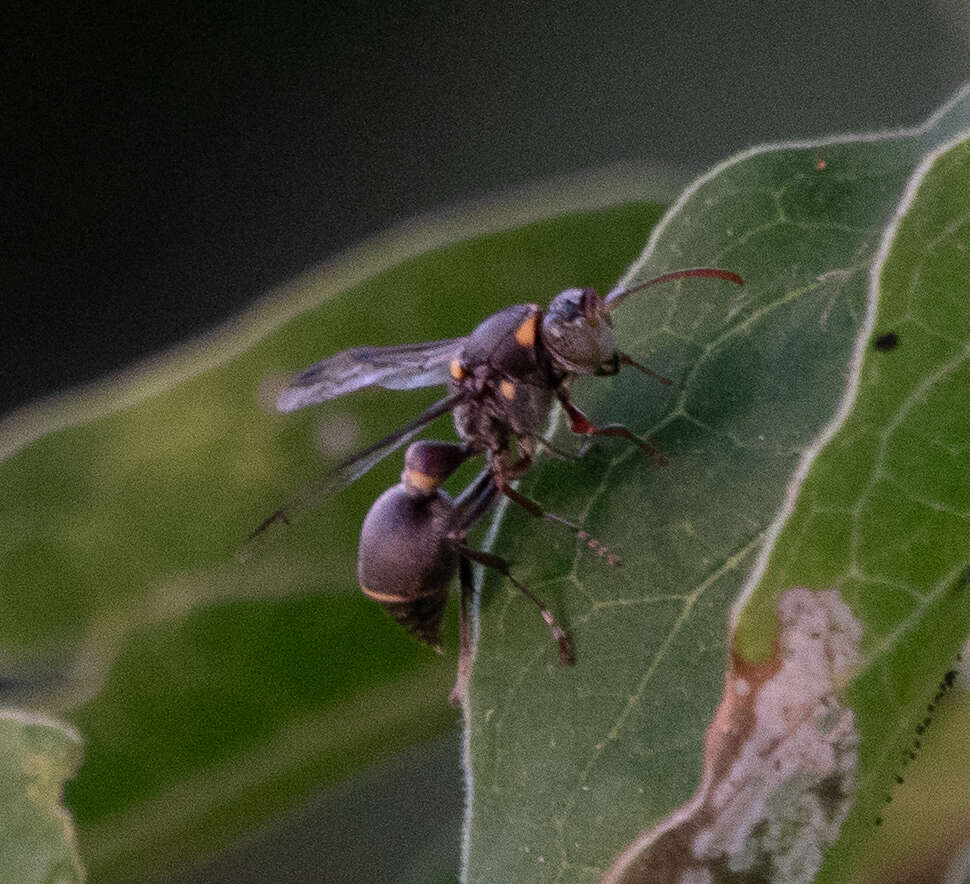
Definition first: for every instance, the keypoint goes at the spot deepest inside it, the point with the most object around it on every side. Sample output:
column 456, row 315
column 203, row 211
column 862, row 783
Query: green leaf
column 925, row 831
column 885, row 512
column 214, row 695
column 37, row 841
column 567, row 766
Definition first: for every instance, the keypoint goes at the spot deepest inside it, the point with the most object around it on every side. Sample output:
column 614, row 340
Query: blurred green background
column 169, row 167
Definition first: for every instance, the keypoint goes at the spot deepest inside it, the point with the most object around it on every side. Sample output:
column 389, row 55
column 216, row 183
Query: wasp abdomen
column 421, row 617
column 403, row 563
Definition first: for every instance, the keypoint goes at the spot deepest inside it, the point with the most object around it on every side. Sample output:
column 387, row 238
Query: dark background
column 163, row 167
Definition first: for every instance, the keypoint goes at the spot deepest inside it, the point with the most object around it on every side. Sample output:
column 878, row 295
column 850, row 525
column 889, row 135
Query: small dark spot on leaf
column 920, row 728
column 912, row 755
column 950, row 677
column 927, row 720
column 878, row 821
column 899, row 779
column 886, row 342
column 917, row 744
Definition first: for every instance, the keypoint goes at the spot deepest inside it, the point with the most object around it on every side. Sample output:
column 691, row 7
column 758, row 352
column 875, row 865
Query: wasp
column 503, row 381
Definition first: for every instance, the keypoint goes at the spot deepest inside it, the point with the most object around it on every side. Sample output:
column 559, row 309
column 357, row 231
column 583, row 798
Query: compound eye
column 570, row 310
column 577, row 307
column 566, row 308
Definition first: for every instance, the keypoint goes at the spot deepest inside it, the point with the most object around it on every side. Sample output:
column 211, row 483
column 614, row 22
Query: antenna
column 617, row 296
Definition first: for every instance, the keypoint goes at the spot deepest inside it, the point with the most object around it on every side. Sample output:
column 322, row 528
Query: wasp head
column 577, row 332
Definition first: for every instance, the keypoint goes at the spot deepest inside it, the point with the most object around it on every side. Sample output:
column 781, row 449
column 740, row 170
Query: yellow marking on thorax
column 507, row 389
column 456, row 369
column 525, row 334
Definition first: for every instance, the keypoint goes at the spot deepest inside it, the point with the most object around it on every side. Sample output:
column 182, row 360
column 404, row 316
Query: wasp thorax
column 428, row 463
column 577, row 333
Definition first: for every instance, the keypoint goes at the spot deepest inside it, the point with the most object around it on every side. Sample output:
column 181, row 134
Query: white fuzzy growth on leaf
column 780, row 761
column 789, row 788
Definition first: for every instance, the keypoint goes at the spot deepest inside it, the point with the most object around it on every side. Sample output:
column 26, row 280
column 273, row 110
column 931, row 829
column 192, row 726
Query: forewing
column 395, row 368
column 349, row 470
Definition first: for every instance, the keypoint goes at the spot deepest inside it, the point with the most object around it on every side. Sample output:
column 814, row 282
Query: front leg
column 581, row 424
column 503, row 474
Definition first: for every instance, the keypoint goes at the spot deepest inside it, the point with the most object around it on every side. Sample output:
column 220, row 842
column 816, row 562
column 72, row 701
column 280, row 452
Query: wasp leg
column 497, row 563
column 558, row 452
column 459, row 693
column 502, row 473
column 473, row 503
column 533, row 508
column 579, row 423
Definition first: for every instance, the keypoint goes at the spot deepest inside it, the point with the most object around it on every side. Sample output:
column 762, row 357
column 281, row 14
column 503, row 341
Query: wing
column 348, row 471
column 396, row 368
